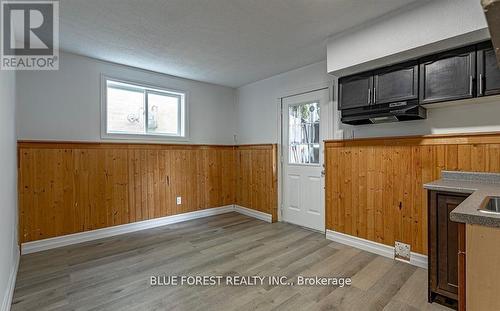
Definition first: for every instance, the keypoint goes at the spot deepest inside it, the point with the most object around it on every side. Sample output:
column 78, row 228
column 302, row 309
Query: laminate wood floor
column 114, row 273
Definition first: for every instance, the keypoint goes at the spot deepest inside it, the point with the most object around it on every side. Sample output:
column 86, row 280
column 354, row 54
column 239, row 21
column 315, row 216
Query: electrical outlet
column 402, row 251
column 179, row 200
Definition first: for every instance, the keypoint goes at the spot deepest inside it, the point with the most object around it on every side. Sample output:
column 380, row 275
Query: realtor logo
column 30, row 35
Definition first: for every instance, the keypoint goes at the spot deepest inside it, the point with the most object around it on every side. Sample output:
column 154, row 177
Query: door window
column 303, row 133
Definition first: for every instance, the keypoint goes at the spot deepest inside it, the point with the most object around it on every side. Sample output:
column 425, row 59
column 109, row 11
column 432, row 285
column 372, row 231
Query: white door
column 304, row 127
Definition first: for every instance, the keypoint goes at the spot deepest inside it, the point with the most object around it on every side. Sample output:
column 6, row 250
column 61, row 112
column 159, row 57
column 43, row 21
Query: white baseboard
column 46, row 244
column 41, row 245
column 253, row 213
column 416, row 259
column 7, row 298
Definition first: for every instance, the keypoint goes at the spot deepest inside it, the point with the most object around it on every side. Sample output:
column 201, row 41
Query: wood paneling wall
column 374, row 186
column 256, row 177
column 67, row 188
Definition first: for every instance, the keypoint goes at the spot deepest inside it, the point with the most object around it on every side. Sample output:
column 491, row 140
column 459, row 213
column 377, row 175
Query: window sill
column 145, row 138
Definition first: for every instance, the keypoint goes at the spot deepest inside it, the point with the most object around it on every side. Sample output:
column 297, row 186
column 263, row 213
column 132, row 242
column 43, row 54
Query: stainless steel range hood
column 492, row 12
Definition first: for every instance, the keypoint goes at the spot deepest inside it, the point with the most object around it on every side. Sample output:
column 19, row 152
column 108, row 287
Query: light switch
column 179, row 200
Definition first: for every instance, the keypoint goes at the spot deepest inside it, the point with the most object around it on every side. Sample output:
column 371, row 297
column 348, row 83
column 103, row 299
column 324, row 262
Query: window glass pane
column 163, row 114
column 140, row 110
column 125, row 109
column 303, row 133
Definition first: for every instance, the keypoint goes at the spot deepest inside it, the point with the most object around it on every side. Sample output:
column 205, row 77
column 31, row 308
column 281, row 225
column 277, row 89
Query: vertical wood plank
column 366, row 182
column 70, row 188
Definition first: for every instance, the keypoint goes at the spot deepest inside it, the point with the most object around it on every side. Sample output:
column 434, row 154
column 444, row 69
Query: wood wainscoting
column 257, row 179
column 67, row 188
column 374, row 186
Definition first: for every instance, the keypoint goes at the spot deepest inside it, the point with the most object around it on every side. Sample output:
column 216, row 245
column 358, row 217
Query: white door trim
column 330, row 133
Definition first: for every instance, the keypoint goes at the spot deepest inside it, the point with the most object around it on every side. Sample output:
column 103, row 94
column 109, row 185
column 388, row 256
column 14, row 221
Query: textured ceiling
column 226, row 42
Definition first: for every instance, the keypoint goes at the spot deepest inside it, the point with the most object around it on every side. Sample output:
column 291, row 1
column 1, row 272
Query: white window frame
column 183, row 119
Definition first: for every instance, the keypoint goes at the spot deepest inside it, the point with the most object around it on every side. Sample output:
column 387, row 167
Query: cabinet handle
column 369, row 96
column 480, row 84
column 374, row 95
column 471, row 81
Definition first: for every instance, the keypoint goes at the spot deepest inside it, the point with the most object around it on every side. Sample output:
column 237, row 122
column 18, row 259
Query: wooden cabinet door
column 397, row 83
column 355, row 92
column 488, row 75
column 443, row 245
column 448, row 76
column 461, row 267
column 447, row 240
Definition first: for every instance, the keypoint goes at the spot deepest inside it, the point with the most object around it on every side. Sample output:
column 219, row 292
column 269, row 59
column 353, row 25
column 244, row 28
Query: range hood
column 492, row 12
column 394, row 112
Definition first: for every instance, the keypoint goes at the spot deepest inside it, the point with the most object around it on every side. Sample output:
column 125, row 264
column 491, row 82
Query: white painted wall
column 65, row 104
column 476, row 115
column 420, row 29
column 424, row 27
column 8, row 185
column 257, row 107
column 257, row 112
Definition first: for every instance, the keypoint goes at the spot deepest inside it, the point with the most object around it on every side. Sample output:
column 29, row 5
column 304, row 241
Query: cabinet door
column 488, row 81
column 447, row 235
column 461, row 267
column 443, row 245
column 355, row 91
column 394, row 84
column 448, row 76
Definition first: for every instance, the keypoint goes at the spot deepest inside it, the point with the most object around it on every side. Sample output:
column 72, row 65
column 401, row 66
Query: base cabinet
column 482, row 268
column 444, row 245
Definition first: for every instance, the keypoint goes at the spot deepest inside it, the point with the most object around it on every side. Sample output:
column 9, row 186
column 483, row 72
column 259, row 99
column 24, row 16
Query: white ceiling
column 226, row 42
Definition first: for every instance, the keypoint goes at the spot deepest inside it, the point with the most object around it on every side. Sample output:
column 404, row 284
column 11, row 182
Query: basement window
column 133, row 110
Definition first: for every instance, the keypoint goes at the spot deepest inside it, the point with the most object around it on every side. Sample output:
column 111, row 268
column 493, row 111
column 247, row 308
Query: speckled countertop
column 480, row 186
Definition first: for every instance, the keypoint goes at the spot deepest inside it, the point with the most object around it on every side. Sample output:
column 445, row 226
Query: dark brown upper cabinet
column 488, row 72
column 355, row 91
column 448, row 76
column 396, row 83
column 462, row 73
